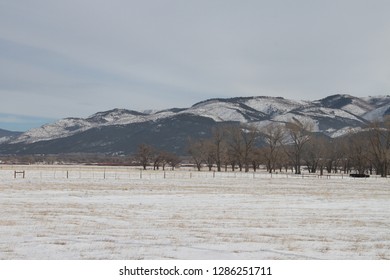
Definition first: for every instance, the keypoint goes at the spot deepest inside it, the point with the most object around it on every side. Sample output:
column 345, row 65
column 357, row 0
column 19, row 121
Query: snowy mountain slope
column 334, row 116
column 71, row 126
column 62, row 128
column 250, row 108
column 274, row 106
column 348, row 103
column 169, row 134
column 6, row 135
column 225, row 110
column 381, row 108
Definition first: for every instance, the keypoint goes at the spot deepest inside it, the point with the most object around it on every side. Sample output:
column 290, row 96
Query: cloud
column 73, row 58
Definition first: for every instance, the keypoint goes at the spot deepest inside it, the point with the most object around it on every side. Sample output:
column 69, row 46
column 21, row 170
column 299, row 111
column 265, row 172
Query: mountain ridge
column 333, row 116
column 7, row 133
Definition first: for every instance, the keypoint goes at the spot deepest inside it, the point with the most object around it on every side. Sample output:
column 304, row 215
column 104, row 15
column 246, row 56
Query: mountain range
column 120, row 131
column 6, row 133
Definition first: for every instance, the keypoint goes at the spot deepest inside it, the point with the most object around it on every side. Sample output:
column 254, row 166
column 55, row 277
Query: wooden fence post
column 20, row 172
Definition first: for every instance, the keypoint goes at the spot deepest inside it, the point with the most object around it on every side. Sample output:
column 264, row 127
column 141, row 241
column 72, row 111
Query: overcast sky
column 77, row 57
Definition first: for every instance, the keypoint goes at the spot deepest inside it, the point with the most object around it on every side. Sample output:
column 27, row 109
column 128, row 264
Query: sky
column 73, row 58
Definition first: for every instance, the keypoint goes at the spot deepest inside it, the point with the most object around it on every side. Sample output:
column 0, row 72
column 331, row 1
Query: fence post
column 20, row 172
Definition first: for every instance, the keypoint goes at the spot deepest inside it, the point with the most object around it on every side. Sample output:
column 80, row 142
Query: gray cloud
column 73, row 58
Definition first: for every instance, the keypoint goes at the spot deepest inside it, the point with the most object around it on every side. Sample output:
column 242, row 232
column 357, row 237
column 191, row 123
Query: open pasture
column 65, row 212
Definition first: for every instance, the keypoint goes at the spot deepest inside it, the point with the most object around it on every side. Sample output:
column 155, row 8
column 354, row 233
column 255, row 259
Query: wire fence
column 132, row 173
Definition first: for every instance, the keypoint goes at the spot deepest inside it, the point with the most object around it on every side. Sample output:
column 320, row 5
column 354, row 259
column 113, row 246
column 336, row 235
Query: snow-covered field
column 121, row 213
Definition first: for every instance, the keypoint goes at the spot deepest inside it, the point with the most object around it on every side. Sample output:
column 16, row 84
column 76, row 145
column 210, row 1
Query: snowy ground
column 118, row 213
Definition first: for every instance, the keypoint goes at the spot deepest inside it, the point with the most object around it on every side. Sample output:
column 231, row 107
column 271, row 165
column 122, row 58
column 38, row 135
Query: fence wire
column 131, row 173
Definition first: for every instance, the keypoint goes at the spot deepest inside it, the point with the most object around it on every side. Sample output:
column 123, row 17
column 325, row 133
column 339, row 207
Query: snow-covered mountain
column 333, row 116
column 6, row 135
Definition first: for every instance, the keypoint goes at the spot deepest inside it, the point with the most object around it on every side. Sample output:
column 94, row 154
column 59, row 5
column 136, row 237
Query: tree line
column 284, row 147
column 277, row 147
column 147, row 155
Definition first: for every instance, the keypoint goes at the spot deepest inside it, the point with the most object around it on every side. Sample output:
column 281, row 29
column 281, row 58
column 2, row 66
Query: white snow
column 73, row 212
column 271, row 105
column 120, row 116
column 306, row 120
column 4, row 139
column 329, row 112
column 59, row 129
column 358, row 106
column 218, row 111
column 376, row 114
column 355, row 109
column 70, row 126
column 343, row 131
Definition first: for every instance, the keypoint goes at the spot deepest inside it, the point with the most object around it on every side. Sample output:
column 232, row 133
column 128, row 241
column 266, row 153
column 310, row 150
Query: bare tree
column 144, row 155
column 273, row 136
column 357, row 153
column 314, row 153
column 196, row 151
column 379, row 137
column 235, row 147
column 209, row 153
column 249, row 135
column 241, row 144
column 172, row 159
column 256, row 158
column 298, row 133
column 218, row 137
column 157, row 158
column 335, row 155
